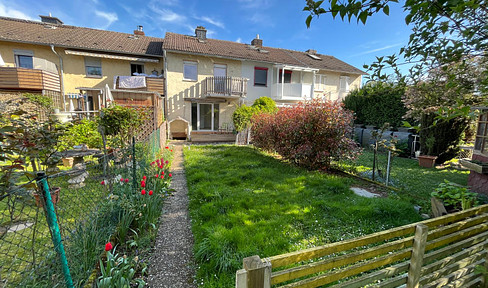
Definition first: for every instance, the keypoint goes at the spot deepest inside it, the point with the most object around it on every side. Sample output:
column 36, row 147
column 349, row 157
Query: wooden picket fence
column 439, row 252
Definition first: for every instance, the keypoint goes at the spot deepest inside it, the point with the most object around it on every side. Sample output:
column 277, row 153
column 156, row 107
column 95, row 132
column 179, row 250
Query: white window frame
column 344, row 84
column 482, row 134
column 213, row 116
column 320, row 85
column 189, row 64
column 91, row 62
column 26, row 53
column 138, row 63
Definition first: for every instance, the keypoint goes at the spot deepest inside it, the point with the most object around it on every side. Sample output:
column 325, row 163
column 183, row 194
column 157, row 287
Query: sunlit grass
column 245, row 203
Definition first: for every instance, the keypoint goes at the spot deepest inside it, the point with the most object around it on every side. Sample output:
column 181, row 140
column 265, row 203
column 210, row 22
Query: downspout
column 62, row 76
column 282, row 80
column 166, row 102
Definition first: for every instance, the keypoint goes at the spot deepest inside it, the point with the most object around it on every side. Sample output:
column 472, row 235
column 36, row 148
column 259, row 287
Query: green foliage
column 242, row 117
column 264, row 104
column 82, row 132
column 244, row 202
column 456, row 196
column 120, row 271
column 42, row 101
column 377, row 103
column 121, row 122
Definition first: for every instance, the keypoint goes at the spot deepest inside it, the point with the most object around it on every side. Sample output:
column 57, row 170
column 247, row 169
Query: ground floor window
column 481, row 143
column 204, row 116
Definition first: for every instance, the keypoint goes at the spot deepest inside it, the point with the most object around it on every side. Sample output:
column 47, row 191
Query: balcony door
column 220, row 72
column 205, row 116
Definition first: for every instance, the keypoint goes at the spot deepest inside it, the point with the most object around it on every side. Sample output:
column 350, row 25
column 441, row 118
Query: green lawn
column 414, row 183
column 244, row 203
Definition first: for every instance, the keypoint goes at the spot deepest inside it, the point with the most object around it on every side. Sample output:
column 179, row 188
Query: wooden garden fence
column 446, row 251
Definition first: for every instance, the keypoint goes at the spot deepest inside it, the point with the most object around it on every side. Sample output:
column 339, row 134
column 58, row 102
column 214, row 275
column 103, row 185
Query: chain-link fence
column 76, row 215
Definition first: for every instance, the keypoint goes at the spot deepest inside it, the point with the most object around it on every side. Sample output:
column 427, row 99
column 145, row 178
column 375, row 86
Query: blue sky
column 280, row 23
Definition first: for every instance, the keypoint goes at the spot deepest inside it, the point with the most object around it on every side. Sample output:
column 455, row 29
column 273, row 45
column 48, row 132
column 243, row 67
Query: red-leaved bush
column 310, row 134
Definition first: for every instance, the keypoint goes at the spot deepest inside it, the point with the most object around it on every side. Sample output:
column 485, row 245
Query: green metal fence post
column 54, row 227
column 134, row 162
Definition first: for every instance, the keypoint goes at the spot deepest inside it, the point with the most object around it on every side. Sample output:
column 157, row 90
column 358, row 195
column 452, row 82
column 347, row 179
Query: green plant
column 82, row 132
column 264, row 104
column 121, row 123
column 42, row 101
column 242, row 117
column 120, row 271
column 455, row 196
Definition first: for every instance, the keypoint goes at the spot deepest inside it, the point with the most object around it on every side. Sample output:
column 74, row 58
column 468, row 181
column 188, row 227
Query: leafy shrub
column 310, row 134
column 265, row 104
column 242, row 115
column 377, row 103
column 456, row 196
column 83, row 132
column 121, row 122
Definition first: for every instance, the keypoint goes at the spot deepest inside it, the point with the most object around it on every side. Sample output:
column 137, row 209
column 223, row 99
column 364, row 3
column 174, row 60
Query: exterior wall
column 332, row 85
column 73, row 65
column 254, row 92
column 179, row 89
column 479, row 182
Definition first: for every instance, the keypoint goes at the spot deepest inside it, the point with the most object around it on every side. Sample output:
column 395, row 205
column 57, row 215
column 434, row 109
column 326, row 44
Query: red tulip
column 143, row 183
column 144, row 178
column 103, row 182
column 167, row 147
column 143, row 192
column 121, row 179
column 171, row 150
column 156, row 175
column 167, row 162
column 108, row 246
column 150, row 192
column 127, row 180
column 162, row 176
column 170, row 175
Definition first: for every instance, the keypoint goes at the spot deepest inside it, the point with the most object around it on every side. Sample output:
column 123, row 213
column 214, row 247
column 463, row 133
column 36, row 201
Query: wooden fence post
column 255, row 274
column 417, row 258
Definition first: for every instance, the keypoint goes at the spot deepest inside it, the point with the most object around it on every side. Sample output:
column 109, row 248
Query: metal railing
column 224, row 87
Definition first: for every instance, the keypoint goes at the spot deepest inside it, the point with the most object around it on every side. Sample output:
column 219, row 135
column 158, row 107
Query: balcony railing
column 291, row 91
column 13, row 78
column 225, row 87
column 153, row 84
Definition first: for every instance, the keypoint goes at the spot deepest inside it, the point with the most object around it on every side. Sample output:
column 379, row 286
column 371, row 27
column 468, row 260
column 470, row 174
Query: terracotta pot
column 68, row 162
column 426, row 161
column 54, row 197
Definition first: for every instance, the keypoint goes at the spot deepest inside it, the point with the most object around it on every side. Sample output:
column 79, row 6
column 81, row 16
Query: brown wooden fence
column 439, row 252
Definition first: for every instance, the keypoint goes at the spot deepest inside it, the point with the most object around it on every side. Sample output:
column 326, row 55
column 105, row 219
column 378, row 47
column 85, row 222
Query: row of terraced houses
column 201, row 80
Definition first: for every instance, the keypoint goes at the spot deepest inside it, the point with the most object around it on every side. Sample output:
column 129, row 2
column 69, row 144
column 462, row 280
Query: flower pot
column 54, row 197
column 427, row 161
column 68, row 162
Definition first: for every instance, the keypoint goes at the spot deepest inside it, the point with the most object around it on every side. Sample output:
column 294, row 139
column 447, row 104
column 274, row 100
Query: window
column 344, row 84
column 260, row 76
column 205, row 116
column 287, row 76
column 319, row 82
column 190, row 71
column 136, row 68
column 24, row 58
column 481, row 143
column 93, row 67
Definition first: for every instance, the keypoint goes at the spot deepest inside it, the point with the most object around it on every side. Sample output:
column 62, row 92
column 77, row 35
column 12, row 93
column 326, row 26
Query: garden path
column 171, row 261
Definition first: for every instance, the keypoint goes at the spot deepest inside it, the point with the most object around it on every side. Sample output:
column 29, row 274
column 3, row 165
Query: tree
column 445, row 32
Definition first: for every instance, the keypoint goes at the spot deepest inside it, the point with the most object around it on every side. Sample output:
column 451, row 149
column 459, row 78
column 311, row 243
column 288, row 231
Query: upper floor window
column 93, row 67
column 24, row 58
column 136, row 68
column 481, row 143
column 287, row 76
column 344, row 84
column 320, row 82
column 190, row 71
column 260, row 76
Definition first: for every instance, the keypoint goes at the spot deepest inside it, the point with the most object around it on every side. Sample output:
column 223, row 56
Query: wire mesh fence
column 79, row 196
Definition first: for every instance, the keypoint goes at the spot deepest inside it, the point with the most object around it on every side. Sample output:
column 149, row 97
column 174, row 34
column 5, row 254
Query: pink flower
column 108, row 246
column 150, row 192
column 143, row 192
column 103, row 182
column 167, row 162
column 143, row 183
column 127, row 180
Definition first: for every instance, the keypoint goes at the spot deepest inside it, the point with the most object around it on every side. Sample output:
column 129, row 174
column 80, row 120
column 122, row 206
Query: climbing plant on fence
column 310, row 134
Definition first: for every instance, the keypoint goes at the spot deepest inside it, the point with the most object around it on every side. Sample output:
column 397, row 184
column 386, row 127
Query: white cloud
column 252, row 4
column 110, row 17
column 170, row 16
column 211, row 33
column 377, row 49
column 239, row 40
column 211, row 21
column 10, row 12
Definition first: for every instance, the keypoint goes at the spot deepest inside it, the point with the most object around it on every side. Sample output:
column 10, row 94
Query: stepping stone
column 19, row 227
column 364, row 193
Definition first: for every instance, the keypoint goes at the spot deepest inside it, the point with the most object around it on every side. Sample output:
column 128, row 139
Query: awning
column 295, row 68
column 111, row 56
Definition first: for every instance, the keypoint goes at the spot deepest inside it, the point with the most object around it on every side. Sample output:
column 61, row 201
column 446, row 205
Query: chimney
column 311, row 51
column 257, row 42
column 201, row 33
column 50, row 19
column 139, row 31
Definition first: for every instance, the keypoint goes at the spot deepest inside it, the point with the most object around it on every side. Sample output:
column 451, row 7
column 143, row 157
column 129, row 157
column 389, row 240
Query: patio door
column 220, row 72
column 205, row 116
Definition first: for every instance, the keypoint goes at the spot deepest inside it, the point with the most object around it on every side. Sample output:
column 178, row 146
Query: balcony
column 152, row 84
column 24, row 79
column 291, row 91
column 224, row 87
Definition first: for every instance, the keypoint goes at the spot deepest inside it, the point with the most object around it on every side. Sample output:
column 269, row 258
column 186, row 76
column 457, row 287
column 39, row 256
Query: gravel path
column 170, row 263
